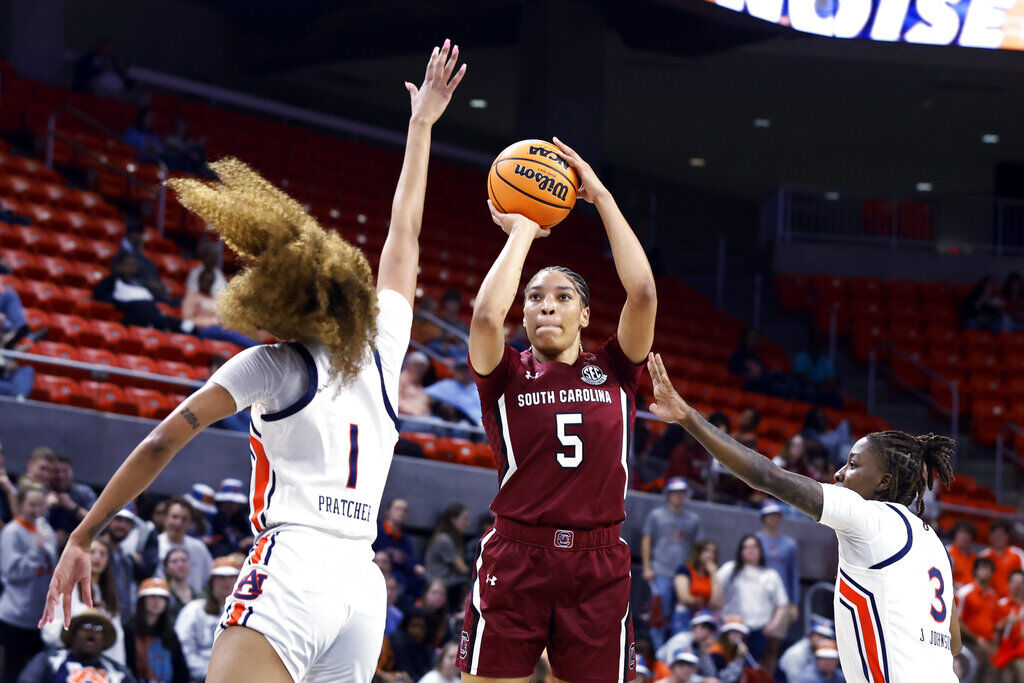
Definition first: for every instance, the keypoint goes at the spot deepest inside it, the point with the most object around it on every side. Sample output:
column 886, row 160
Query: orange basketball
column 531, row 178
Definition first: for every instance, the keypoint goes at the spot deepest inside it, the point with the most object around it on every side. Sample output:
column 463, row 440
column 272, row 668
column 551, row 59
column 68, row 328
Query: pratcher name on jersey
column 561, row 435
column 322, row 460
column 894, row 592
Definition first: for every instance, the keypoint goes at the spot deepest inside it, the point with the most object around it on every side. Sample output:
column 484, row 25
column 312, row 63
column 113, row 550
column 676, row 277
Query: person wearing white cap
column 643, row 674
column 683, row 665
column 780, row 554
column 800, row 655
column 668, row 534
column 197, row 621
column 825, row 668
column 229, row 527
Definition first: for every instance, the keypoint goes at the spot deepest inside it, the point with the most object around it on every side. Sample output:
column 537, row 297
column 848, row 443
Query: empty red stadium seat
column 66, row 328
column 987, row 418
column 147, row 402
column 53, row 388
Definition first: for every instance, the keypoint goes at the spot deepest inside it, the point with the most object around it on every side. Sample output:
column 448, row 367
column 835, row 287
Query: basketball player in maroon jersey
column 553, row 572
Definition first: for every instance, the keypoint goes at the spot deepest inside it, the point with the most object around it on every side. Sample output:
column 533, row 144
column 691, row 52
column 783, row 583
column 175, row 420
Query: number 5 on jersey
column 570, row 460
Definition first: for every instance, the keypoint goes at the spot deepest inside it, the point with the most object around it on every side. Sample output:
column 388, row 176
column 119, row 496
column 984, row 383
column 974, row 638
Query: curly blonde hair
column 299, row 282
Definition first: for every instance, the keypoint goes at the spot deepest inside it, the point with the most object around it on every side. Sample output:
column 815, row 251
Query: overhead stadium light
column 762, row 123
column 697, row 162
column 990, row 138
column 477, row 103
column 924, row 186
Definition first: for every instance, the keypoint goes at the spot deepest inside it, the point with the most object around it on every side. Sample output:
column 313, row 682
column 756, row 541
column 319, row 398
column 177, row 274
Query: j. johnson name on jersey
column 538, row 398
column 346, row 508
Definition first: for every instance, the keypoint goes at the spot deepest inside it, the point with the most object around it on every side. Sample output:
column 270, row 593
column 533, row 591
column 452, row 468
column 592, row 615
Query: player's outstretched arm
column 195, row 413
column 753, row 468
column 636, row 322
column 399, row 260
column 498, row 290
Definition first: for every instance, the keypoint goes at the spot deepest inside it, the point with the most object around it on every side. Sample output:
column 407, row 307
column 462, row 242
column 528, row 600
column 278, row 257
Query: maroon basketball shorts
column 536, row 588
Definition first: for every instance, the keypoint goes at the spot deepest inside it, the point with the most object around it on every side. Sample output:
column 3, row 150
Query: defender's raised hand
column 668, row 404
column 430, row 99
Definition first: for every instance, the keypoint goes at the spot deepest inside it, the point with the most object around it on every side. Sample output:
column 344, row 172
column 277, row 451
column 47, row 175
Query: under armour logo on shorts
column 563, row 539
column 491, row 580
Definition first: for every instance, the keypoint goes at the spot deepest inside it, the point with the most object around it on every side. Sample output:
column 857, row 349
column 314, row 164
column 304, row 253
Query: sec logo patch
column 594, row 375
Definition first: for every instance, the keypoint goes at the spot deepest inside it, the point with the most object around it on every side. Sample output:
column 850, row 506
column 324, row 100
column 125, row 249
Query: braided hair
column 913, row 462
column 578, row 283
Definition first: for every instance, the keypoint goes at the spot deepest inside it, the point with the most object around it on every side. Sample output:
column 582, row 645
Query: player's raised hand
column 74, row 567
column 430, row 99
column 511, row 221
column 591, row 186
column 668, row 404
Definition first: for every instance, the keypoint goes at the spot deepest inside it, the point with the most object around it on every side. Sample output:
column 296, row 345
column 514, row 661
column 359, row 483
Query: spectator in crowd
column 398, row 546
column 129, row 294
column 175, row 535
column 961, row 552
column 13, row 324
column 683, row 667
column 425, row 331
column 133, row 245
column 208, row 254
column 239, row 422
column 814, row 374
column 73, row 500
column 697, row 586
column 732, row 652
column 704, row 632
column 142, row 137
column 1009, row 656
column 684, row 456
column 411, row 644
column 978, row 603
column 8, row 494
column 746, row 428
column 176, row 570
column 394, row 617
column 197, row 621
column 126, row 565
column 443, row 557
column 1013, row 298
column 412, row 398
column 669, row 532
column 230, row 527
column 643, row 674
column 434, row 602
column 203, row 500
column 456, row 399
column 200, row 306
column 1004, row 556
column 153, row 651
column 746, row 362
column 452, row 311
column 983, row 308
column 800, row 655
column 16, row 380
column 781, row 554
column 28, row 554
column 104, row 599
column 102, row 73
column 519, row 341
column 39, row 469
column 444, row 671
column 794, row 458
column 826, row 666
column 754, row 592
column 447, row 345
column 182, row 153
column 89, row 635
column 836, row 443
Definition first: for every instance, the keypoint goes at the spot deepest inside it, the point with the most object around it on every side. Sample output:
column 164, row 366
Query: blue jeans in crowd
column 10, row 306
column 17, row 383
column 665, row 587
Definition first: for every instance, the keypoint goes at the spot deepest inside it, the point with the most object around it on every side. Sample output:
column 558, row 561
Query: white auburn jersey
column 322, row 460
column 894, row 592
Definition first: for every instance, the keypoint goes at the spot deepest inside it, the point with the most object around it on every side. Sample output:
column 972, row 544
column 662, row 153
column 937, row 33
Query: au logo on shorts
column 464, row 645
column 251, row 587
column 563, row 539
column 594, row 375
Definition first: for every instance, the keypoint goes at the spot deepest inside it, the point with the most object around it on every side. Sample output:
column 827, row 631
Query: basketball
column 531, row 178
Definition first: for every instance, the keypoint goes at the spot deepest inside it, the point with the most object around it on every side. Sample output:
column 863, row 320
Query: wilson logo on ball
column 544, row 182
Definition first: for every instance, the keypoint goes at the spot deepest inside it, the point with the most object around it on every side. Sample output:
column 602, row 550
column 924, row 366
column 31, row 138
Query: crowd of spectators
column 995, row 308
column 813, row 378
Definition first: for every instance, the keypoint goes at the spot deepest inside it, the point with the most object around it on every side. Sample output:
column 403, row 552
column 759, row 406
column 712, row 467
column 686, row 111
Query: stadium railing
column 159, row 193
column 981, row 224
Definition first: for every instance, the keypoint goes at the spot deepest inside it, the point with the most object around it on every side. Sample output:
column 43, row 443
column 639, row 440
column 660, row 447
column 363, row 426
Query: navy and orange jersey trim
column 305, row 399
column 906, row 547
column 384, row 392
column 867, row 625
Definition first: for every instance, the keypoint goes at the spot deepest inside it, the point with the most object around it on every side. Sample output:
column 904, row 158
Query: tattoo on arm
column 760, row 472
column 98, row 529
column 191, row 418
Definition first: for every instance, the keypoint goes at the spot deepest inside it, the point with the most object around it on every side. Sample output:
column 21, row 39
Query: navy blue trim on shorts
column 384, row 392
column 310, row 390
column 906, row 548
column 270, row 549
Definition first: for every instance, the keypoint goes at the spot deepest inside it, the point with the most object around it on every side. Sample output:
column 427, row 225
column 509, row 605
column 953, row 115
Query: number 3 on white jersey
column 573, row 441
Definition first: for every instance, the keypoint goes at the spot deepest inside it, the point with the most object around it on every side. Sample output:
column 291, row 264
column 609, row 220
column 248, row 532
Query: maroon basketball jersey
column 561, row 435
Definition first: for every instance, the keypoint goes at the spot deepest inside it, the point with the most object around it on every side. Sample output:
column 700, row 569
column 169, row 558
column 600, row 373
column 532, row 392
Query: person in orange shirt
column 961, row 552
column 1009, row 656
column 979, row 611
column 1006, row 557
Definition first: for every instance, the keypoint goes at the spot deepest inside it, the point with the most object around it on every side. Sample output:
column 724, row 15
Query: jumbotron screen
column 993, row 24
